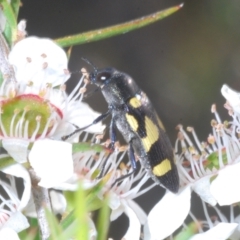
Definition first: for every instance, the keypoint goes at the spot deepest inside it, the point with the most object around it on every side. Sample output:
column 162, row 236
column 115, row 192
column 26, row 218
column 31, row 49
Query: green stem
column 107, row 32
column 11, row 24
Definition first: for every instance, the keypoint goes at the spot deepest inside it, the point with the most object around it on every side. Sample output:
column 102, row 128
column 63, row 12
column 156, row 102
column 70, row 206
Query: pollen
column 38, row 118
column 30, row 83
column 82, row 90
column 12, row 93
column 44, row 65
column 49, row 85
column 211, row 139
column 28, row 59
column 43, row 55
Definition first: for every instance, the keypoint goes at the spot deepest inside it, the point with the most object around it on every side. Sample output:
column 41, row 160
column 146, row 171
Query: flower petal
column 52, row 161
column 116, row 213
column 220, row 232
column 169, row 213
column 83, row 116
column 8, row 233
column 141, row 215
column 232, row 97
column 227, row 179
column 17, row 222
column 40, row 61
column 134, row 229
column 18, row 170
column 202, row 188
column 16, row 148
column 58, row 202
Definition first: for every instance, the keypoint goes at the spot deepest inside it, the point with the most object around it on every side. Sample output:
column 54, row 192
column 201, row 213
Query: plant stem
column 5, row 67
column 42, row 201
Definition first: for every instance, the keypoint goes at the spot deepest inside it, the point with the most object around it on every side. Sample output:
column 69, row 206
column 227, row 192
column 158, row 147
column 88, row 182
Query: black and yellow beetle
column 134, row 116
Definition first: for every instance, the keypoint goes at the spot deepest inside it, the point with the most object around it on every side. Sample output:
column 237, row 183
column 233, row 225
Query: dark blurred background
column 181, row 62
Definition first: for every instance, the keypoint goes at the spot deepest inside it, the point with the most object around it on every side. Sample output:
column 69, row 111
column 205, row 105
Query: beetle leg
column 113, row 137
column 98, row 119
column 101, row 174
column 112, row 134
column 133, row 164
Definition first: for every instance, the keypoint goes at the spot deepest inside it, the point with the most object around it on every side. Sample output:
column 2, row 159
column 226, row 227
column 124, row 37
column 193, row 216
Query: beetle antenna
column 91, row 64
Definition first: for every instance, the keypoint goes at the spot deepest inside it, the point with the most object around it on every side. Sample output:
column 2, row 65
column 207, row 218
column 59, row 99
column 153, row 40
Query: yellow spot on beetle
column 162, row 168
column 134, row 102
column 132, row 122
column 152, row 134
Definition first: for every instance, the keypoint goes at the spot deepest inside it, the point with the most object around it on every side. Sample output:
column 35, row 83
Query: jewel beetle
column 135, row 117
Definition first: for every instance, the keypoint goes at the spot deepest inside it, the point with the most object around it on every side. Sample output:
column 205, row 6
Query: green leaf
column 15, row 6
column 28, row 234
column 212, row 160
column 92, row 202
column 187, row 233
column 68, row 220
column 6, row 161
column 103, row 221
column 32, row 233
column 107, row 32
column 85, row 146
column 76, row 224
column 56, row 230
column 82, row 232
column 1, row 78
column 11, row 24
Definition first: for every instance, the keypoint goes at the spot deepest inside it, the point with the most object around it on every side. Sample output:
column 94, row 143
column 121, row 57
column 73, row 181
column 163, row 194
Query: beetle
column 135, row 117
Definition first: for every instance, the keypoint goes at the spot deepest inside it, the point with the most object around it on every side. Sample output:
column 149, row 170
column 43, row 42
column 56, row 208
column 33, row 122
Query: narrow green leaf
column 11, row 24
column 103, row 221
column 29, row 234
column 85, row 146
column 82, row 232
column 1, row 78
column 187, row 233
column 56, row 231
column 107, row 32
column 15, row 6
column 68, row 220
column 92, row 203
column 6, row 161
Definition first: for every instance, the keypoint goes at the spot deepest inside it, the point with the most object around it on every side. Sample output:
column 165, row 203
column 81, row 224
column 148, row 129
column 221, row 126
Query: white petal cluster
column 211, row 169
column 12, row 220
column 41, row 72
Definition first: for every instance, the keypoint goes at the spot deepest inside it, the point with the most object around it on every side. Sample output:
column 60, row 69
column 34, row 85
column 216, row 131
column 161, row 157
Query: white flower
column 36, row 109
column 221, row 231
column 87, row 167
column 206, row 168
column 11, row 207
column 19, row 171
column 48, row 153
column 233, row 98
column 168, row 214
column 8, row 233
column 122, row 194
column 217, row 227
column 58, row 204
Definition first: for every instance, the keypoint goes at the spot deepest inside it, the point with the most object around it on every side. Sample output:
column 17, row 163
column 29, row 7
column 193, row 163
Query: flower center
column 27, row 115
